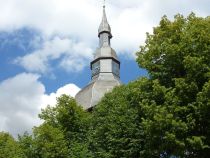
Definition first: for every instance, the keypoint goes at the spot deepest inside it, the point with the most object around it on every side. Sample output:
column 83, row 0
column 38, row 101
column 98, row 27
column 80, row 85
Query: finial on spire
column 104, row 5
column 104, row 26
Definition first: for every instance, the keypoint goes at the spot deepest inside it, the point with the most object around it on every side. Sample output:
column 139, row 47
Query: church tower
column 105, row 69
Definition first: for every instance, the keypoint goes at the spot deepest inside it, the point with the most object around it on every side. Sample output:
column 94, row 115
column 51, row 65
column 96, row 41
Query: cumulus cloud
column 132, row 19
column 69, row 89
column 72, row 56
column 21, row 99
column 80, row 19
column 66, row 17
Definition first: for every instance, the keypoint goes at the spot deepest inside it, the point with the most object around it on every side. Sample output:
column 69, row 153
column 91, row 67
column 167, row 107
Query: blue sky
column 46, row 47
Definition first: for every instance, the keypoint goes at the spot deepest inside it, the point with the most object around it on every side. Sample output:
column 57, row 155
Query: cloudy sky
column 46, row 47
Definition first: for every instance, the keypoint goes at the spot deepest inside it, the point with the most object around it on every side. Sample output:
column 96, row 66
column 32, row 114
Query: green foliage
column 9, row 148
column 167, row 114
column 178, row 49
column 64, row 131
column 80, row 150
column 50, row 142
column 132, row 121
column 69, row 117
column 116, row 129
column 177, row 54
column 26, row 144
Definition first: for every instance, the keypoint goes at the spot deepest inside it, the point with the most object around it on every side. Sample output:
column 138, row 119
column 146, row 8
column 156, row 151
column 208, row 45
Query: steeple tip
column 104, row 26
column 104, row 5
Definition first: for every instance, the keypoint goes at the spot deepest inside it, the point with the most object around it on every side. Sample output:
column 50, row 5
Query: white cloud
column 69, row 89
column 80, row 20
column 21, row 99
column 66, row 17
column 73, row 56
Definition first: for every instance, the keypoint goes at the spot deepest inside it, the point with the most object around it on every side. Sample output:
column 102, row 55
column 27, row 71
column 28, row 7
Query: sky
column 46, row 47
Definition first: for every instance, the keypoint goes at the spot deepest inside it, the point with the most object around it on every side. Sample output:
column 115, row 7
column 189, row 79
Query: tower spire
column 104, row 26
column 104, row 5
column 105, row 69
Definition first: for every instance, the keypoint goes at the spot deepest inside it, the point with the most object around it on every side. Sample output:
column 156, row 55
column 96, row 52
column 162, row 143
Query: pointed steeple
column 105, row 69
column 104, row 26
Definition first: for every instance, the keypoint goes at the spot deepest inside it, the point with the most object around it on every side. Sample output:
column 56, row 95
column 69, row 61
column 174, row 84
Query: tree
column 50, row 142
column 26, row 143
column 132, row 121
column 115, row 126
column 177, row 54
column 165, row 115
column 64, row 131
column 9, row 148
column 178, row 49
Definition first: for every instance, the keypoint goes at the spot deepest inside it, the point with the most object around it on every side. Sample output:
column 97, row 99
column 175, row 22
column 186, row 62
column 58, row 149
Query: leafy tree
column 9, row 148
column 27, row 145
column 116, row 131
column 177, row 54
column 50, row 142
column 165, row 115
column 63, row 134
column 131, row 121
column 64, row 131
column 68, row 116
column 178, row 49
